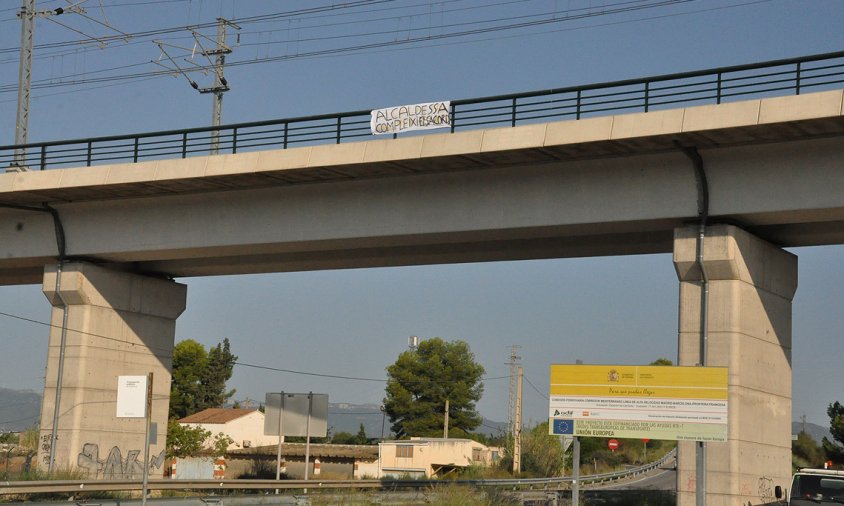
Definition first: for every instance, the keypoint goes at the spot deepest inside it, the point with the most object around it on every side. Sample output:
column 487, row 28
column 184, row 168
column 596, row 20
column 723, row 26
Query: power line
column 541, row 394
column 355, row 413
column 374, row 47
column 91, row 334
column 359, row 47
column 240, row 363
column 303, row 373
column 43, row 55
column 424, row 28
column 210, row 24
column 31, row 417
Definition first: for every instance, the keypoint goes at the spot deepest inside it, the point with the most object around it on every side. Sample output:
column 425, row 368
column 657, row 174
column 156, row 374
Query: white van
column 811, row 487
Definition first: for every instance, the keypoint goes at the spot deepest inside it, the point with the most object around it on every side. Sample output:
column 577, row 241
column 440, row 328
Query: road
column 663, row 478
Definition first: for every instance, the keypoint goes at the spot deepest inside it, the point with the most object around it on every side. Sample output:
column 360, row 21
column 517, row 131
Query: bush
column 261, row 469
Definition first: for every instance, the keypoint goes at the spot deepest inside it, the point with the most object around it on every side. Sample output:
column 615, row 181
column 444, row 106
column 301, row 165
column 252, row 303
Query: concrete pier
column 751, row 286
column 117, row 324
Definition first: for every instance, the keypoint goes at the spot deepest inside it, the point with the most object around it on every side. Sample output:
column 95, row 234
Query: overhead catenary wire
column 149, row 76
column 199, row 26
column 42, row 84
column 623, row 7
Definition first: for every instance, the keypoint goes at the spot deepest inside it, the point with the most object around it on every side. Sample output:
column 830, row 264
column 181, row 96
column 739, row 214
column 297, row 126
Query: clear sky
column 355, row 322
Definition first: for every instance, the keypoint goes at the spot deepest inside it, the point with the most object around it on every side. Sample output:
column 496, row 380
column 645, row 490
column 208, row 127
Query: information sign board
column 131, row 397
column 295, row 409
column 654, row 402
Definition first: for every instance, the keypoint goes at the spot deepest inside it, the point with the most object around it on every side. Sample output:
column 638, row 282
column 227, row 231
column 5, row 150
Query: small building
column 329, row 461
column 431, row 457
column 244, row 426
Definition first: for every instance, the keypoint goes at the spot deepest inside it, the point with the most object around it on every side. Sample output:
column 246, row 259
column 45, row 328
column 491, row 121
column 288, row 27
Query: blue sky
column 355, row 322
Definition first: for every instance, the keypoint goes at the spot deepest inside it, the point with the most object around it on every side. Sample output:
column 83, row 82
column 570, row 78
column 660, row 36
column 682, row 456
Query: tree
column 420, row 382
column 216, row 374
column 199, row 377
column 347, row 438
column 542, row 454
column 662, row 361
column 183, row 440
column 189, row 362
column 220, row 443
column 29, row 438
column 805, row 452
column 360, row 437
column 835, row 451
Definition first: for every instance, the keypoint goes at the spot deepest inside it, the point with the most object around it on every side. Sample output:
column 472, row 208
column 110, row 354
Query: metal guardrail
column 74, row 486
column 712, row 86
column 589, row 478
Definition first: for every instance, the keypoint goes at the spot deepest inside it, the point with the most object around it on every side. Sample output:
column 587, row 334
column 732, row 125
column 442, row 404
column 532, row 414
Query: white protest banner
column 406, row 118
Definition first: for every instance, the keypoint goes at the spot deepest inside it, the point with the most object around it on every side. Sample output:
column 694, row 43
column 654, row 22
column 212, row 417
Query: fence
column 70, row 486
column 713, row 86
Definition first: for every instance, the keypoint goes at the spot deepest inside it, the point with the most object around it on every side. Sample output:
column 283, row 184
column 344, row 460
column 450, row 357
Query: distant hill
column 344, row 417
column 815, row 431
column 19, row 409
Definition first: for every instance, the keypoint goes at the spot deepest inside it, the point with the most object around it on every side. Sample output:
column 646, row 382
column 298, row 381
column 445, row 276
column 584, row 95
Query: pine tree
column 199, row 377
column 420, row 382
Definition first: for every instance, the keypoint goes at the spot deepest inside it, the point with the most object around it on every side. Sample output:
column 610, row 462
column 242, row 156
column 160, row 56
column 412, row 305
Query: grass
column 448, row 494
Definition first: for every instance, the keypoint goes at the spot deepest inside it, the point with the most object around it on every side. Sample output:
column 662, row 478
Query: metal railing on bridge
column 712, row 86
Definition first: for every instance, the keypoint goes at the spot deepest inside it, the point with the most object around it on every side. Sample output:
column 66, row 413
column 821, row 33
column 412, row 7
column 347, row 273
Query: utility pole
column 445, row 421
column 27, row 15
column 218, row 64
column 517, row 435
column 511, row 407
column 515, row 406
column 220, row 84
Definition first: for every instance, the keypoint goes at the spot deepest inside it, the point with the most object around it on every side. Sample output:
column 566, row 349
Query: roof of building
column 216, row 415
column 428, row 440
column 316, row 450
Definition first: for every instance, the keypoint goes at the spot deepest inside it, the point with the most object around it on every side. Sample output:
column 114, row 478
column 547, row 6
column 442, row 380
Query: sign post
column 575, row 472
column 280, row 439
column 308, row 432
column 300, row 415
column 134, row 400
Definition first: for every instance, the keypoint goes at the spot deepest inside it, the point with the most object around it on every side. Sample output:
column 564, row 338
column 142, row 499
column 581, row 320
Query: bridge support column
column 751, row 285
column 117, row 324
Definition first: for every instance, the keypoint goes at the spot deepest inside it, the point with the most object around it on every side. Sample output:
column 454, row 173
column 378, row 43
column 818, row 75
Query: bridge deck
column 767, row 120
column 598, row 186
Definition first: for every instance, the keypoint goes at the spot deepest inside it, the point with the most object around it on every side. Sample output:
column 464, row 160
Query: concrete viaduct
column 762, row 174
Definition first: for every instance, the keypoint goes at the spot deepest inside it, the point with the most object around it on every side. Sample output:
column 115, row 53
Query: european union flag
column 563, row 426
